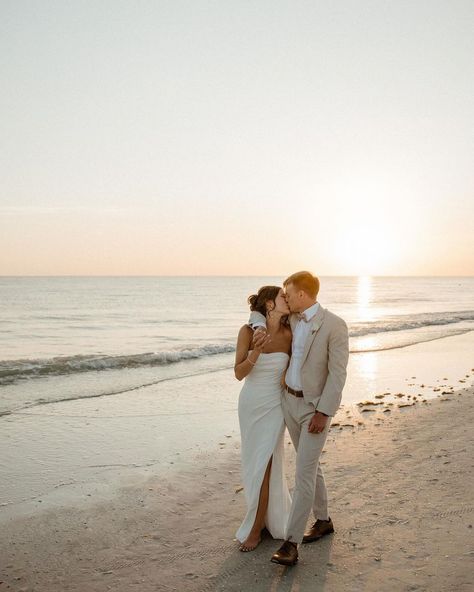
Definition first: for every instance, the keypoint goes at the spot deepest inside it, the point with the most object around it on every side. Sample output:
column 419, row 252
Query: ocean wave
column 410, row 322
column 12, row 370
column 410, row 340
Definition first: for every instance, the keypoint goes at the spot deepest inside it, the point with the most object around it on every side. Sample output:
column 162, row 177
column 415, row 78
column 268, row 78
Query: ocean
column 66, row 338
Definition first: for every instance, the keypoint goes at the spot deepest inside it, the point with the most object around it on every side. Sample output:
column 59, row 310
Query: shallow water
column 74, row 337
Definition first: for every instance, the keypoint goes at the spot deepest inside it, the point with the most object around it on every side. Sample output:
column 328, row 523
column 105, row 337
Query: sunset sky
column 237, row 137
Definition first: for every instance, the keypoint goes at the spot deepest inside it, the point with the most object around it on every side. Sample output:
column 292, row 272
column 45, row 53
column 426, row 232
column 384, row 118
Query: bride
column 262, row 362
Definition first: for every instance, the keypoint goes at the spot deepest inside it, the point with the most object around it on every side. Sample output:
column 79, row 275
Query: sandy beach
column 169, row 169
column 398, row 469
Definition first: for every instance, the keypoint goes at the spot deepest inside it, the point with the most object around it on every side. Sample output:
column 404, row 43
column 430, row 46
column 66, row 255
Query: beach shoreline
column 399, row 477
column 400, row 498
column 61, row 452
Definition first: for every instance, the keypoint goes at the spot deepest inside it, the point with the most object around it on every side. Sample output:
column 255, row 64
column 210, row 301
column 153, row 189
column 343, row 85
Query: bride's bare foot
column 250, row 543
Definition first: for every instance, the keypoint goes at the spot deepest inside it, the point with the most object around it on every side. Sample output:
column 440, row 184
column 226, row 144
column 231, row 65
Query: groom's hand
column 317, row 423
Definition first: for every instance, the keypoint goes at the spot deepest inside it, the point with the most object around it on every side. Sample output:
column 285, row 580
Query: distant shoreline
column 190, row 276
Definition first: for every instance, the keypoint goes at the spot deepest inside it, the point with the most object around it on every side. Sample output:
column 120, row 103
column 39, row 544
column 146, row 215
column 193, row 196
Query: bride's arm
column 245, row 359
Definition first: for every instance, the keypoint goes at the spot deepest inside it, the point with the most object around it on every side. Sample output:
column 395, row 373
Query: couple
column 293, row 355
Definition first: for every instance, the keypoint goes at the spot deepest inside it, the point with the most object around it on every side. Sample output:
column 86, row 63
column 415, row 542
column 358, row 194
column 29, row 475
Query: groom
column 312, row 394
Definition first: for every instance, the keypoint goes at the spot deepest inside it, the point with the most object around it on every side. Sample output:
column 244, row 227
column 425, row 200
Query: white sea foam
column 11, row 370
column 409, row 322
column 410, row 325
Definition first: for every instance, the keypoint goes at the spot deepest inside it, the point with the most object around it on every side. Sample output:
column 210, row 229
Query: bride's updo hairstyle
column 258, row 301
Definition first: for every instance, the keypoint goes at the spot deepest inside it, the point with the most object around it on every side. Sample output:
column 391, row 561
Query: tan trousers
column 310, row 489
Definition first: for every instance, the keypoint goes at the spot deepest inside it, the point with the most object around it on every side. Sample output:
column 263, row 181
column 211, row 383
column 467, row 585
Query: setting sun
column 370, row 225
column 167, row 169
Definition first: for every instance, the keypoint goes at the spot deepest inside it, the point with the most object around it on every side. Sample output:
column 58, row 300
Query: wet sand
column 399, row 473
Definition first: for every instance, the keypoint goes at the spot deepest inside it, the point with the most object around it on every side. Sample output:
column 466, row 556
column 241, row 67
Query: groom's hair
column 304, row 280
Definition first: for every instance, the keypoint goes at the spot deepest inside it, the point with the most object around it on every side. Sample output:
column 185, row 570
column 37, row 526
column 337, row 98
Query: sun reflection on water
column 367, row 365
column 365, row 298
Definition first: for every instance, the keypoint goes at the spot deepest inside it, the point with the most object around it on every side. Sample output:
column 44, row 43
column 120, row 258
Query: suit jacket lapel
column 317, row 321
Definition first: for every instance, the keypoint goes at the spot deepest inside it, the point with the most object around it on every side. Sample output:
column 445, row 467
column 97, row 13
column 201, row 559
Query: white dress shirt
column 300, row 335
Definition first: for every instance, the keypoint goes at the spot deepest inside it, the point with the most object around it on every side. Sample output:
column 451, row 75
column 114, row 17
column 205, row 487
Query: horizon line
column 226, row 276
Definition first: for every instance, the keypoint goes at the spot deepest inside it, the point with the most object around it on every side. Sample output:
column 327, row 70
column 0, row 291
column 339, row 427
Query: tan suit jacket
column 325, row 357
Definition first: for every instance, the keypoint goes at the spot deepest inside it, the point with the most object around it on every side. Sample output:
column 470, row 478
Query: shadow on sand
column 254, row 572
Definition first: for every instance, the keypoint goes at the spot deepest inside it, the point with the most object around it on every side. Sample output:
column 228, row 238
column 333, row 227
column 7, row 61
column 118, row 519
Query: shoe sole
column 305, row 541
column 288, row 564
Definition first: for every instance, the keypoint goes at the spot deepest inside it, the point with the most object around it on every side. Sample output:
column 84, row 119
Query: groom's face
column 292, row 298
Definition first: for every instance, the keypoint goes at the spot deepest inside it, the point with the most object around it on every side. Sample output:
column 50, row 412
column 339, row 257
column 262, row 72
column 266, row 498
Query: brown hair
column 304, row 280
column 258, row 301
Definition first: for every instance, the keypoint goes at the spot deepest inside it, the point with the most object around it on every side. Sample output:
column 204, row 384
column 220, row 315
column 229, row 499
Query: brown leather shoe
column 319, row 529
column 287, row 554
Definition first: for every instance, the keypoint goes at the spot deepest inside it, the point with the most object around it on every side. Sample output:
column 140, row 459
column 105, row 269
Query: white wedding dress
column 262, row 428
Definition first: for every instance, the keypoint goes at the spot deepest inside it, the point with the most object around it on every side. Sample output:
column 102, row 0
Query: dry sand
column 401, row 486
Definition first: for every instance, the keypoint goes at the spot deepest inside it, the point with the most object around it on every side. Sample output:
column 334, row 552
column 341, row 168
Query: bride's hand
column 260, row 339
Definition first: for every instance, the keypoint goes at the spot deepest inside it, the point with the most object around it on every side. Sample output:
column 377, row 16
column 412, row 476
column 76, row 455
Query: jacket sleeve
column 257, row 320
column 338, row 356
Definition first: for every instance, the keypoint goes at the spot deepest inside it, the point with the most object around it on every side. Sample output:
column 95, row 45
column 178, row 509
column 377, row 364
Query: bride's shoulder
column 245, row 332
